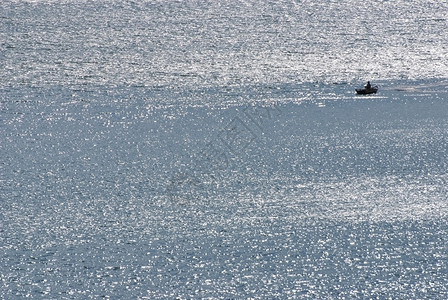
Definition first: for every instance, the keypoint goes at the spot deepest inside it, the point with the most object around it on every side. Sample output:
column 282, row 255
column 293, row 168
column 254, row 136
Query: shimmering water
column 188, row 149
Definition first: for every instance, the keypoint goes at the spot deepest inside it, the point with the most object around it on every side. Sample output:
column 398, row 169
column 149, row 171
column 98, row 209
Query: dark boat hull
column 365, row 91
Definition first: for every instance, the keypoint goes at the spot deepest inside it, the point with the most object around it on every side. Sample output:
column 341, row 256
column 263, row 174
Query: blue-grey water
column 216, row 149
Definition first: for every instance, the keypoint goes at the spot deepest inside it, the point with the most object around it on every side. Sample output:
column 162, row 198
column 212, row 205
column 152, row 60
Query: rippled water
column 185, row 43
column 183, row 149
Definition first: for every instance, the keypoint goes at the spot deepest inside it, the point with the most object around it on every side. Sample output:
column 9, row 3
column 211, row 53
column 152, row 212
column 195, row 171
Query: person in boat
column 368, row 86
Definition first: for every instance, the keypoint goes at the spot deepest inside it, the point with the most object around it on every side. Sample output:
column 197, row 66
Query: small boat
column 366, row 91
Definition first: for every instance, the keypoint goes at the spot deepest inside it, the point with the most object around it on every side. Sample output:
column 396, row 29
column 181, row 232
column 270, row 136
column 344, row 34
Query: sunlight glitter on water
column 120, row 176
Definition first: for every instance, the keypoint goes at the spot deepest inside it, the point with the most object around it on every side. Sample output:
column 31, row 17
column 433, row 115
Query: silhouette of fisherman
column 368, row 86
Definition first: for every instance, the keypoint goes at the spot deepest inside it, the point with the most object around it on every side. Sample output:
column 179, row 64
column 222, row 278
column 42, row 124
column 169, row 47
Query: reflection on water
column 218, row 150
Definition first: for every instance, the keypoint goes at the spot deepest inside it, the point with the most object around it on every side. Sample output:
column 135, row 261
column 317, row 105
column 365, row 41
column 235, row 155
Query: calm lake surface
column 190, row 149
